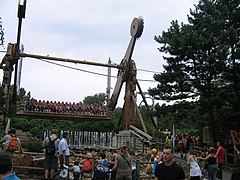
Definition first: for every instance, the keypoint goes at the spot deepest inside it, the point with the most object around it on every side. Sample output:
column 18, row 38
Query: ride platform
column 63, row 116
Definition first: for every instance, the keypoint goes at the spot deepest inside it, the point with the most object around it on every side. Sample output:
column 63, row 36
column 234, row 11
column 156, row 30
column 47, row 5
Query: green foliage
column 33, row 145
column 161, row 135
column 184, row 115
column 23, row 96
column 37, row 126
column 202, row 62
column 96, row 99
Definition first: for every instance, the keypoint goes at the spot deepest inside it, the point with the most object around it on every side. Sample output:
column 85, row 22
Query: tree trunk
column 212, row 127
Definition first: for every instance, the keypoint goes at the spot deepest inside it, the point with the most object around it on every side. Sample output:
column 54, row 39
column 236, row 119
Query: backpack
column 102, row 168
column 50, row 148
column 13, row 144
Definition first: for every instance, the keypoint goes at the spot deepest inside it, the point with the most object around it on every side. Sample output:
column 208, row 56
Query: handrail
column 138, row 131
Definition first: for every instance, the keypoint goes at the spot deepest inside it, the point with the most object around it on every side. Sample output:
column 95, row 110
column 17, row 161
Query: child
column 76, row 170
column 102, row 171
column 103, row 160
column 157, row 160
column 87, row 164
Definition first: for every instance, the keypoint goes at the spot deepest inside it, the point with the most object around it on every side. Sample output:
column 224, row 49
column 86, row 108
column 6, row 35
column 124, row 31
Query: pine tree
column 201, row 60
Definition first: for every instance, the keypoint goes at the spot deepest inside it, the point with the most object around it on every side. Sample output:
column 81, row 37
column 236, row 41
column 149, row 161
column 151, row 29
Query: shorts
column 61, row 161
column 50, row 162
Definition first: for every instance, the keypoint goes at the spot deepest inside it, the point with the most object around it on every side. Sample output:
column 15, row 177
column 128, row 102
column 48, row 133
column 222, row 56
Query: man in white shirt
column 63, row 150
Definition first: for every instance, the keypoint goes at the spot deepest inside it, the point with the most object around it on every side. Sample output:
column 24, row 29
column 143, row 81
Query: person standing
column 157, row 160
column 169, row 170
column 6, row 167
column 123, row 165
column 64, row 151
column 212, row 164
column 195, row 171
column 236, row 166
column 220, row 157
column 76, row 171
column 87, row 164
column 102, row 171
column 168, row 139
column 11, row 142
column 50, row 144
column 185, row 145
column 134, row 164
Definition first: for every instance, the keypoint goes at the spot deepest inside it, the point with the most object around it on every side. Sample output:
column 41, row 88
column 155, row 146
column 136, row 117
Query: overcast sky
column 94, row 30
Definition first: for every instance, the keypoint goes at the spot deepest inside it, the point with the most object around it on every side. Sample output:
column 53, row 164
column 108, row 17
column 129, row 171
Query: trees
column 202, row 61
column 96, row 99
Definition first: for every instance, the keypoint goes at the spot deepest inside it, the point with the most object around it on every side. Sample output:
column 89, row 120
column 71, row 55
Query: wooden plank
column 31, row 153
column 28, row 167
column 133, row 132
column 138, row 131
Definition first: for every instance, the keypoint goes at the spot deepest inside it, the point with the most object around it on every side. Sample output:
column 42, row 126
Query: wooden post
column 225, row 159
column 138, row 169
column 93, row 164
column 143, row 147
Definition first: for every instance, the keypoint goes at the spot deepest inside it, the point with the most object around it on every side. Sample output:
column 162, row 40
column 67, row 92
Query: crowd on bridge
column 64, row 107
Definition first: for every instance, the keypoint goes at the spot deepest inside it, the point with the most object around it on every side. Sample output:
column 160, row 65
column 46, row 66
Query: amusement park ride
column 126, row 74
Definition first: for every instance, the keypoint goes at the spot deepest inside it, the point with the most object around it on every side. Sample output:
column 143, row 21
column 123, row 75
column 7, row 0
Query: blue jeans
column 212, row 171
column 220, row 172
column 76, row 175
column 134, row 174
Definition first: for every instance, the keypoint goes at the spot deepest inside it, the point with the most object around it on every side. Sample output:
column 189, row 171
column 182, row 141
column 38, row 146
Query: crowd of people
column 64, row 107
column 123, row 165
column 214, row 160
column 182, row 142
column 62, row 152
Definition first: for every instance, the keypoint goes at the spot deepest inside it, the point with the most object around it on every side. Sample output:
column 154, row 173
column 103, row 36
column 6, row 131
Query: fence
column 229, row 157
column 27, row 170
column 81, row 139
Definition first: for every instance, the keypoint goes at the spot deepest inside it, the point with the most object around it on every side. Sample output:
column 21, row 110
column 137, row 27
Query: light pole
column 173, row 134
column 154, row 116
column 173, row 126
column 154, row 110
